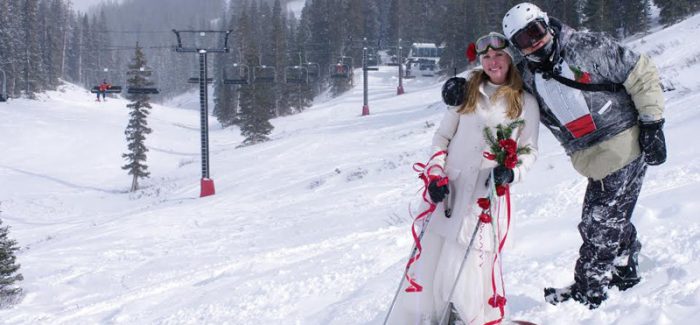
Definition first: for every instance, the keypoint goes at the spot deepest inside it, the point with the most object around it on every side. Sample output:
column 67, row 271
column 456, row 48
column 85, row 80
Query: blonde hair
column 511, row 91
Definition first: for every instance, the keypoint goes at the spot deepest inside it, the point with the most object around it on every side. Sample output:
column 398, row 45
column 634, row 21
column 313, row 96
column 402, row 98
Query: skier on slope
column 496, row 97
column 604, row 104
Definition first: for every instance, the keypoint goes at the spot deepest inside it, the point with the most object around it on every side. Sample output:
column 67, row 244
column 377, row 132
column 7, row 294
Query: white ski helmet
column 519, row 16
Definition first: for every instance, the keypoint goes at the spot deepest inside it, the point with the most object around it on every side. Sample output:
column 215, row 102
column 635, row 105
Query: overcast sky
column 84, row 5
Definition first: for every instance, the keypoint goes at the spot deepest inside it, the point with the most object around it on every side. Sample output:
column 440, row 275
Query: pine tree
column 6, row 44
column 567, row 11
column 457, row 34
column 635, row 16
column 87, row 64
column 279, row 50
column 104, row 57
column 10, row 292
column 56, row 32
column 298, row 37
column 674, row 10
column 74, row 60
column 224, row 95
column 31, row 48
column 137, row 129
column 600, row 16
column 255, row 100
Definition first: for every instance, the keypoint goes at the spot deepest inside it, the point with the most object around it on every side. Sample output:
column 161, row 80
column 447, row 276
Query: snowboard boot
column 590, row 299
column 624, row 277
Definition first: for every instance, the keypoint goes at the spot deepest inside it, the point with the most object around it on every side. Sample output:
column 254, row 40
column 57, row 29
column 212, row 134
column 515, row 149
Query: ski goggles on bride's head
column 494, row 41
column 530, row 34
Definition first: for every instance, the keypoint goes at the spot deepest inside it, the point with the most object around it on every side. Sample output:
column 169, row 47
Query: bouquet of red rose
column 504, row 150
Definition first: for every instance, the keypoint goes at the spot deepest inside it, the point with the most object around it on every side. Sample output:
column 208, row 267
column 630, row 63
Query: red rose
column 509, row 145
column 489, row 155
column 497, row 301
column 471, row 52
column 500, row 190
column 511, row 161
column 484, row 203
column 584, row 78
column 485, row 218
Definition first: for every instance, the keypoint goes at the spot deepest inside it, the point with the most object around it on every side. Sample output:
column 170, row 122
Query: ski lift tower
column 203, row 42
column 365, row 69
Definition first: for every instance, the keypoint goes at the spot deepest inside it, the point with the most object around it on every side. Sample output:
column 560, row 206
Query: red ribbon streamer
column 497, row 300
column 424, row 175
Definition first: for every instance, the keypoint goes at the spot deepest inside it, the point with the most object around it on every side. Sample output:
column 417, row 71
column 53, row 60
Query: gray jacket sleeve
column 619, row 64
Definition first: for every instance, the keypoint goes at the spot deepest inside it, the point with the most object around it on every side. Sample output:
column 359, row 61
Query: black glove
column 503, row 175
column 652, row 141
column 438, row 192
column 453, row 91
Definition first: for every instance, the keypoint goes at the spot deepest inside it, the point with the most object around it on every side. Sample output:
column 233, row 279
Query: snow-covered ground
column 311, row 227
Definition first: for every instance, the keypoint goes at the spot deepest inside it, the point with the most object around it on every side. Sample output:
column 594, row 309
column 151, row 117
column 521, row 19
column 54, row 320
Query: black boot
column 591, row 299
column 624, row 277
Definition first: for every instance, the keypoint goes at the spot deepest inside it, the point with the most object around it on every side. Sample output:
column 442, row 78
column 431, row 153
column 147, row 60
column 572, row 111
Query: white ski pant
column 436, row 271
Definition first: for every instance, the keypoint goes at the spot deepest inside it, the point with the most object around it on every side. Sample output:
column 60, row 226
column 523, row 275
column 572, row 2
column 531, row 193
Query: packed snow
column 311, row 227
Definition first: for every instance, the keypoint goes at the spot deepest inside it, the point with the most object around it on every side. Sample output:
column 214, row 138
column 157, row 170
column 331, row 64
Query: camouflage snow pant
column 609, row 238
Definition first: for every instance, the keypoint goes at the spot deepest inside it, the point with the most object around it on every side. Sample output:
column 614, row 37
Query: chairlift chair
column 110, row 90
column 346, row 60
column 296, row 75
column 342, row 69
column 144, row 72
column 372, row 57
column 339, row 71
column 264, row 74
column 195, row 80
column 239, row 75
column 313, row 69
column 145, row 90
column 111, row 75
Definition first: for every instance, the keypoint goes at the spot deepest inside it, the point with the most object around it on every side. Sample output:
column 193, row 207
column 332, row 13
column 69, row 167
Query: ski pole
column 413, row 253
column 444, row 318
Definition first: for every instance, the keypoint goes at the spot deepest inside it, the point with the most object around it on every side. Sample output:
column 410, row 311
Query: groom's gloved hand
column 453, row 91
column 652, row 141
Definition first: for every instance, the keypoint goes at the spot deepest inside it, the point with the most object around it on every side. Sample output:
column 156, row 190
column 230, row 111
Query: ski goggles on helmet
column 530, row 34
column 493, row 41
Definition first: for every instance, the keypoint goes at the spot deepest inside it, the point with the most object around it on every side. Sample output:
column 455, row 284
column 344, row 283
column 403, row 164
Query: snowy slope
column 311, row 227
